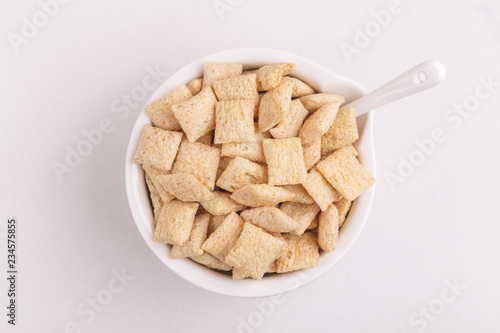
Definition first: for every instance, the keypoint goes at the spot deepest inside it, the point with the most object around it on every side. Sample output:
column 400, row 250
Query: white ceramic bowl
column 319, row 78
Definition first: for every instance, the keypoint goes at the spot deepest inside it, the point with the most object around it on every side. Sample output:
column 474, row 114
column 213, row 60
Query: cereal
column 290, row 124
column 328, row 229
column 343, row 207
column 214, row 71
column 254, row 251
column 223, row 164
column 195, row 86
column 197, row 115
column 241, row 172
column 256, row 195
column 274, row 105
column 222, row 204
column 215, row 222
column 314, row 224
column 239, row 87
column 160, row 112
column 312, row 153
column 234, row 121
column 344, row 131
column 314, row 101
column 185, row 187
column 300, row 88
column 175, row 222
column 210, row 261
column 198, row 235
column 252, row 151
column 155, row 176
column 157, row 147
column 320, row 189
column 155, row 197
column 303, row 215
column 346, row 174
column 207, row 138
column 269, row 76
column 302, row 253
column 271, row 219
column 224, row 237
column 319, row 122
column 285, row 161
column 300, row 192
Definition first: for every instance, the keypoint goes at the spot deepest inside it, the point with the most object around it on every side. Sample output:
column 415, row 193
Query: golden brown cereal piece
column 238, row 274
column 241, row 172
column 314, row 224
column 303, row 214
column 300, row 192
column 292, row 121
column 224, row 237
column 314, row 101
column 257, row 100
column 328, row 229
column 155, row 197
column 320, row 189
column 346, row 174
column 319, row 122
column 274, row 105
column 312, row 153
column 215, row 222
column 350, row 147
column 302, row 253
column 234, row 121
column 207, row 138
column 343, row 131
column 257, row 195
column 160, row 112
column 285, row 161
column 300, row 88
column 254, row 251
column 155, row 176
column 197, row 237
column 175, row 222
column 269, row 76
column 222, row 204
column 271, row 219
column 214, row 71
column 223, row 164
column 195, row 86
column 199, row 160
column 185, row 187
column 197, row 114
column 343, row 207
column 210, row 261
column 252, row 151
column 239, row 87
column 157, row 147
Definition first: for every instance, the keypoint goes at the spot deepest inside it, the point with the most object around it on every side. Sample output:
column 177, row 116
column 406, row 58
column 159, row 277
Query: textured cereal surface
column 185, row 187
column 222, row 204
column 234, row 121
column 220, row 242
column 214, row 71
column 271, row 219
column 269, row 76
column 239, row 87
column 198, row 235
column 303, row 214
column 344, row 131
column 346, row 174
column 300, row 193
column 256, row 195
column 197, row 115
column 200, row 160
column 290, row 124
column 252, row 151
column 319, row 122
column 223, row 164
column 157, row 147
column 314, row 101
column 314, row 224
column 210, row 261
column 195, row 86
column 320, row 189
column 207, row 138
column 160, row 112
column 215, row 222
column 241, row 172
column 274, row 105
column 155, row 176
column 312, row 153
column 328, row 229
column 254, row 251
column 285, row 160
column 302, row 253
column 300, row 88
column 343, row 207
column 175, row 222
column 155, row 197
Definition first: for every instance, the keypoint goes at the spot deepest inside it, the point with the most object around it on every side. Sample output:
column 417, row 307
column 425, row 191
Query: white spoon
column 421, row 77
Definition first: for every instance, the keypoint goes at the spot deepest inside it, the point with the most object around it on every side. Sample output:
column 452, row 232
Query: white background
column 440, row 224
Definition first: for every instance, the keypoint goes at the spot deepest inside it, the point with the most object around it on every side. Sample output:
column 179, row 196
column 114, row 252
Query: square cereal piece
column 160, row 112
column 156, row 200
column 290, row 124
column 185, row 187
column 157, row 147
column 241, row 172
column 303, row 214
column 320, row 189
column 175, row 222
column 254, row 251
column 199, row 160
column 222, row 204
column 300, row 88
column 252, row 151
column 269, row 76
column 195, row 86
column 274, row 105
column 343, row 207
column 210, row 261
column 346, row 174
column 319, row 122
column 285, row 161
column 302, row 253
column 224, row 237
column 197, row 237
column 257, row 195
column 350, row 147
column 328, row 229
column 197, row 115
column 314, row 101
column 343, row 131
column 234, row 121
column 301, row 195
column 155, row 176
column 214, row 71
column 239, row 87
column 215, row 222
column 271, row 219
column 312, row 153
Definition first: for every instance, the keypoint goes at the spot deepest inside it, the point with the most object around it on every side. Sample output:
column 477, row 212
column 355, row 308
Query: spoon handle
column 421, row 77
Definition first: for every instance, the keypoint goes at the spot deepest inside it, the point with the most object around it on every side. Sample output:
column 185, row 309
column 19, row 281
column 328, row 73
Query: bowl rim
column 189, row 270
